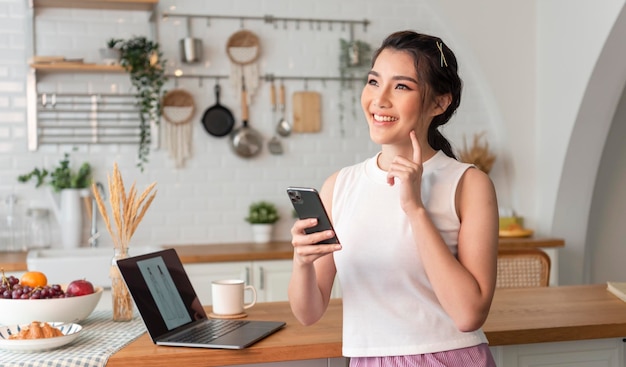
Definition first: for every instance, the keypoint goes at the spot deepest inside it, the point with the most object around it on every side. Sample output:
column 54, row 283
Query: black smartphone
column 307, row 203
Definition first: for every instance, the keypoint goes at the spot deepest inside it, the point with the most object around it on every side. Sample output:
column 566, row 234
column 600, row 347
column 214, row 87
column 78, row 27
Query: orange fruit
column 34, row 279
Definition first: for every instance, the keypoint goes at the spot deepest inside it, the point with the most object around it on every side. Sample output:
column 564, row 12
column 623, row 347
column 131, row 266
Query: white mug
column 228, row 296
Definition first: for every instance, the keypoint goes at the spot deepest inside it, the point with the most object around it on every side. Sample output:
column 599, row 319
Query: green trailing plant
column 355, row 58
column 144, row 61
column 262, row 212
column 61, row 177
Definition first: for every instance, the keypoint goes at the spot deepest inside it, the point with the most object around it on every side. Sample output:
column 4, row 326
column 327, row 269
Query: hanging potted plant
column 354, row 61
column 144, row 61
column 262, row 215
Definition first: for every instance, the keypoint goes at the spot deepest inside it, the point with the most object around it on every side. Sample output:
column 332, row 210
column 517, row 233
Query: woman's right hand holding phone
column 307, row 247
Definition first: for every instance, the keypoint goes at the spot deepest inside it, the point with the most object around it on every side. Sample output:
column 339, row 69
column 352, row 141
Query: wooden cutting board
column 307, row 112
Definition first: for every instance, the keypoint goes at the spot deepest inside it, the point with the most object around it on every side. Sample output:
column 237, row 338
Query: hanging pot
column 190, row 47
column 245, row 141
column 217, row 119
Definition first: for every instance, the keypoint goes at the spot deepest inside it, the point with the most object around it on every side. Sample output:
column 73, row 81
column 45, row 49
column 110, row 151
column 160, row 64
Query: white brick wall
column 206, row 201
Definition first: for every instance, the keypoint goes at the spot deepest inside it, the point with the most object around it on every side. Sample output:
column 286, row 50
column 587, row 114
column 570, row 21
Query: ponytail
column 437, row 141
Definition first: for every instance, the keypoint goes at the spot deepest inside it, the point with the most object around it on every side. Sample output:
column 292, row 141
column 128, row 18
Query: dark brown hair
column 437, row 73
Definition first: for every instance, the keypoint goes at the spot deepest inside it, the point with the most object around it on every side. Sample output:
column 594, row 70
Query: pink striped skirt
column 477, row 356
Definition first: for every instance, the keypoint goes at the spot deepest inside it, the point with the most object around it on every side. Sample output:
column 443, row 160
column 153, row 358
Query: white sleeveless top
column 389, row 306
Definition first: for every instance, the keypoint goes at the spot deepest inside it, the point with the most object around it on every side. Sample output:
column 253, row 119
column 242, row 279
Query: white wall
column 526, row 66
column 206, row 201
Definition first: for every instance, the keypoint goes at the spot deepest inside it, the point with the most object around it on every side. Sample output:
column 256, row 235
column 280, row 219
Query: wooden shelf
column 97, row 4
column 75, row 67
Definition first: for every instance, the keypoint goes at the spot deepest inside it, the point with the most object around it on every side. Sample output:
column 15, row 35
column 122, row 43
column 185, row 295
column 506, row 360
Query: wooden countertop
column 280, row 250
column 517, row 316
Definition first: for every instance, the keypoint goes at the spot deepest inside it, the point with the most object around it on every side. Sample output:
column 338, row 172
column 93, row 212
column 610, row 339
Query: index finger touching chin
column 417, row 150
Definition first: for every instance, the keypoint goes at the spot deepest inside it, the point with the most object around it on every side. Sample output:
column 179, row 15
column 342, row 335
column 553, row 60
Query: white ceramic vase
column 69, row 213
column 262, row 233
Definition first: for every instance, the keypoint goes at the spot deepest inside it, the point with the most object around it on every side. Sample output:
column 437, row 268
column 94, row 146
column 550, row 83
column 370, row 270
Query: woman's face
column 392, row 99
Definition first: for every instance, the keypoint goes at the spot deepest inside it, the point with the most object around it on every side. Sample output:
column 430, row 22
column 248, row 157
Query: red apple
column 80, row 287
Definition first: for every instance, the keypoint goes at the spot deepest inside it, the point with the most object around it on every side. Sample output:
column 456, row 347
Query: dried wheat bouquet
column 127, row 210
column 478, row 154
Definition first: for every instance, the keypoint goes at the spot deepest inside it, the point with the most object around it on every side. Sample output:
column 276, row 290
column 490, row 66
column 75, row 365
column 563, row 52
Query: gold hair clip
column 443, row 58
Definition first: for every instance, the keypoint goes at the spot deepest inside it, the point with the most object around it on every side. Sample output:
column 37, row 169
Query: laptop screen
column 161, row 290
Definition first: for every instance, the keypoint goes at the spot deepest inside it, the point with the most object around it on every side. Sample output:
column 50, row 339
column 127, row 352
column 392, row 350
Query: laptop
column 172, row 312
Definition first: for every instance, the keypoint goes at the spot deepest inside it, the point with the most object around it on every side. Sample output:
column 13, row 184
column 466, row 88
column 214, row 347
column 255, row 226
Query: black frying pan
column 217, row 119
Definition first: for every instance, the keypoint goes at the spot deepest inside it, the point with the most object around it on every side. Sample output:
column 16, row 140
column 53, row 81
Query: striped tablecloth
column 99, row 339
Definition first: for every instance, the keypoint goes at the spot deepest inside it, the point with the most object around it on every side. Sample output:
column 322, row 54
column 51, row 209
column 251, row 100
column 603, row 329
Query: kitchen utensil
column 12, row 228
column 284, row 127
column 177, row 108
column 243, row 49
column 274, row 145
column 245, row 141
column 217, row 119
column 306, row 112
column 190, row 47
column 38, row 228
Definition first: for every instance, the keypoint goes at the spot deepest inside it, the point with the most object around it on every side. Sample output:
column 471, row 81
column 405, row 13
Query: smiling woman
column 412, row 210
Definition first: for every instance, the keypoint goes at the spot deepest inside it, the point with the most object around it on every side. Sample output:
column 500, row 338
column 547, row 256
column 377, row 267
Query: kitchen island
column 551, row 317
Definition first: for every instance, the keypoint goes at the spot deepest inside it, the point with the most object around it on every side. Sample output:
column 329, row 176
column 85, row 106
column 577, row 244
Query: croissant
column 37, row 330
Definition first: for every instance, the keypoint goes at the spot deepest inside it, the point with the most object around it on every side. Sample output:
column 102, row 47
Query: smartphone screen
column 307, row 203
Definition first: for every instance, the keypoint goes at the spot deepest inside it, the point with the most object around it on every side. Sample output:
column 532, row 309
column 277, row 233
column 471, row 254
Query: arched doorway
column 584, row 152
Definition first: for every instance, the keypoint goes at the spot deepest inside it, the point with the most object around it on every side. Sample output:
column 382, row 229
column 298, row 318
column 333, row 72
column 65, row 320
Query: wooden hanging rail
column 270, row 19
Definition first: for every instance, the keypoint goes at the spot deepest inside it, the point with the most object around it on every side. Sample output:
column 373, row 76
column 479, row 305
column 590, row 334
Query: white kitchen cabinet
column 269, row 278
column 581, row 353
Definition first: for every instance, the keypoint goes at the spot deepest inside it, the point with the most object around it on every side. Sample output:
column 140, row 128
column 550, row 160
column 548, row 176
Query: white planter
column 110, row 56
column 262, row 233
column 67, row 207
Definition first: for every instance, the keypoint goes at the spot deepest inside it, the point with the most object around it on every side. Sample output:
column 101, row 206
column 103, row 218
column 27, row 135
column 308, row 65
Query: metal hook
column 208, row 21
column 241, row 22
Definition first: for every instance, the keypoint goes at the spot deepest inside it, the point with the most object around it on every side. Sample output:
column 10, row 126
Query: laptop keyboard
column 207, row 332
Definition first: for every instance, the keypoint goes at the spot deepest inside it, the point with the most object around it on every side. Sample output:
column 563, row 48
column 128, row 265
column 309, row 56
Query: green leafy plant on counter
column 262, row 212
column 144, row 61
column 61, row 177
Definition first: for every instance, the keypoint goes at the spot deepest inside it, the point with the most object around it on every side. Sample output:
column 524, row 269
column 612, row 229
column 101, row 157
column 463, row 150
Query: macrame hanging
column 178, row 107
column 243, row 50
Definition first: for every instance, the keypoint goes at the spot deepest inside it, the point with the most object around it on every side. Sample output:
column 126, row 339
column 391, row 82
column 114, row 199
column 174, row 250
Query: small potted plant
column 69, row 186
column 262, row 215
column 110, row 55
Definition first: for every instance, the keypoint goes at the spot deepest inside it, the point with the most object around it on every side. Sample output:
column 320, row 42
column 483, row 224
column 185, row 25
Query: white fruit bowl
column 70, row 309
